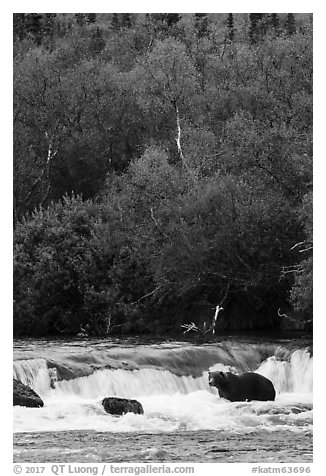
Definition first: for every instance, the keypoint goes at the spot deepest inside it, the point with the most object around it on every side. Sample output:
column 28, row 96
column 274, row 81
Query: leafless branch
column 225, row 295
column 189, row 327
column 282, row 315
column 293, row 319
column 156, row 223
column 148, row 294
column 243, row 262
column 296, row 245
column 153, row 217
column 306, row 249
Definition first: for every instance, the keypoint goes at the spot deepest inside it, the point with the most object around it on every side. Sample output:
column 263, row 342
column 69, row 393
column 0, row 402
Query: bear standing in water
column 240, row 388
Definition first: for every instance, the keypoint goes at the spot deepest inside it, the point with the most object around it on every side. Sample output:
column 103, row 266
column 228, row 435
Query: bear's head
column 220, row 380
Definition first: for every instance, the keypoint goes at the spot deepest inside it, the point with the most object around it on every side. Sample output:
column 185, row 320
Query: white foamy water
column 34, row 373
column 193, row 411
column 128, row 384
column 171, row 402
column 294, row 375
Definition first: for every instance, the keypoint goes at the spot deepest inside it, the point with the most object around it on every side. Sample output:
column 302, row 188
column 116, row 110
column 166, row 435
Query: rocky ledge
column 25, row 396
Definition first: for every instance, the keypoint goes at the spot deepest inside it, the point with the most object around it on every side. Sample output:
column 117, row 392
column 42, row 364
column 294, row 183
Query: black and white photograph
column 162, row 239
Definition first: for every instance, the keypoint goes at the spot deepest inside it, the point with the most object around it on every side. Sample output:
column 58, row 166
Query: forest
column 162, row 167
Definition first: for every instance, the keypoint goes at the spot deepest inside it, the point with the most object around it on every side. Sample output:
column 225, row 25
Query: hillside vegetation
column 162, row 167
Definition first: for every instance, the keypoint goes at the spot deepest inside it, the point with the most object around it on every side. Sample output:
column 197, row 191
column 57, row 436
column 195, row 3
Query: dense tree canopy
column 162, row 166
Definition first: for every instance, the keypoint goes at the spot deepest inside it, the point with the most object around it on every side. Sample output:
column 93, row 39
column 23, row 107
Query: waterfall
column 34, row 373
column 170, row 382
column 292, row 375
column 130, row 384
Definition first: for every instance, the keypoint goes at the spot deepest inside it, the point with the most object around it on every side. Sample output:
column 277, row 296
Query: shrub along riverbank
column 161, row 174
column 120, row 264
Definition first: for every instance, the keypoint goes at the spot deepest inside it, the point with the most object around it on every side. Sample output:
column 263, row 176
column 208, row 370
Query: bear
column 241, row 388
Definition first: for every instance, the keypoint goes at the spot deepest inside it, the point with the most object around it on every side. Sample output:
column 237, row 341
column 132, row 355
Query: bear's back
column 256, row 387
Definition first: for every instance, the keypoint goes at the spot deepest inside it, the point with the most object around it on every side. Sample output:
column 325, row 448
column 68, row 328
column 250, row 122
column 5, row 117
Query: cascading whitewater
column 172, row 398
column 130, row 384
column 34, row 373
column 291, row 375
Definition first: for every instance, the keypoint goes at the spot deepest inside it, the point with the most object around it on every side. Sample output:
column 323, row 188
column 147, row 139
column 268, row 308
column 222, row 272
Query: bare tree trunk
column 44, row 173
column 51, row 154
column 218, row 309
column 178, row 138
column 178, row 141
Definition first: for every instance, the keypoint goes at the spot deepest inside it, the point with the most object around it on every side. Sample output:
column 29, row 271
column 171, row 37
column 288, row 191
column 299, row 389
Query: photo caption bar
column 96, row 469
column 198, row 469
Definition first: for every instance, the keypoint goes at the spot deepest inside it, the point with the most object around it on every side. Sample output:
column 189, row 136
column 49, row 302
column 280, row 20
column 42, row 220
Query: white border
column 299, row 6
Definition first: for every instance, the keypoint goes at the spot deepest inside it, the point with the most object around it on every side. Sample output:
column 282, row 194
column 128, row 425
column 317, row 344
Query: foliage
column 55, row 262
column 162, row 163
column 302, row 290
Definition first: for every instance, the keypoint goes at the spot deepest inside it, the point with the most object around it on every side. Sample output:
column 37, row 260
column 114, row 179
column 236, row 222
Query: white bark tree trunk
column 178, row 141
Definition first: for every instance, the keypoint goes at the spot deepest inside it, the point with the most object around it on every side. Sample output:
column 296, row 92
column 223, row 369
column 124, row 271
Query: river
column 184, row 419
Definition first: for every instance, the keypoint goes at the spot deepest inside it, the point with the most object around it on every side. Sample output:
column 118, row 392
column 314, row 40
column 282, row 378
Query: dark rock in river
column 120, row 406
column 25, row 396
